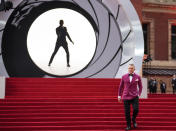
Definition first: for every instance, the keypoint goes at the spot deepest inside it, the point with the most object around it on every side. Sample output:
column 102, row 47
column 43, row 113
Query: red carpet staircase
column 78, row 104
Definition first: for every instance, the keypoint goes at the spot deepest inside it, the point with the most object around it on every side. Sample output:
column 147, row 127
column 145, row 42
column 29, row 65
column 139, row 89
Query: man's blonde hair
column 131, row 65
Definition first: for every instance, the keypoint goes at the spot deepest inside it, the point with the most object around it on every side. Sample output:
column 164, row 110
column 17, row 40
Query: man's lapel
column 133, row 78
column 128, row 78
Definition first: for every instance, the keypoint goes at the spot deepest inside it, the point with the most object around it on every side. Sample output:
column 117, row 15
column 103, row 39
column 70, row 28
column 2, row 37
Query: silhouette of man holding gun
column 61, row 32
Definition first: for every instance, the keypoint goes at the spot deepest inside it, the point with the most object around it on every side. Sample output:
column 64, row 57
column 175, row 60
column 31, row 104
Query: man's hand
column 119, row 100
column 72, row 42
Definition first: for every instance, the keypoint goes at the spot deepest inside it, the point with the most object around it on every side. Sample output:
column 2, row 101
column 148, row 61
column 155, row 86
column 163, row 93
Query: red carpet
column 78, row 104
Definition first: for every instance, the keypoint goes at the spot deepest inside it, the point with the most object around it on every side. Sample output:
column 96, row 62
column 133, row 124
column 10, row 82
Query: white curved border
column 128, row 19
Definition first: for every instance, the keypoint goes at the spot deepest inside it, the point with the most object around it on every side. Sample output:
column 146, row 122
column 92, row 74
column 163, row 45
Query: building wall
column 138, row 6
column 160, row 16
column 161, row 30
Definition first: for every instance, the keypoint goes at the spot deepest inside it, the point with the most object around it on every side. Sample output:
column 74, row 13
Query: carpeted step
column 78, row 104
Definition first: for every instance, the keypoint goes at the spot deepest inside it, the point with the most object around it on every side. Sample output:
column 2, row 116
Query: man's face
column 131, row 69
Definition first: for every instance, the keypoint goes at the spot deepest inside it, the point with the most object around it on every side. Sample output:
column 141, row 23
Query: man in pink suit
column 129, row 91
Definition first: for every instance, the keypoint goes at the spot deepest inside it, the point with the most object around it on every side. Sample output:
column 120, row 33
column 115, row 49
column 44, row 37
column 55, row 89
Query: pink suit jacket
column 129, row 90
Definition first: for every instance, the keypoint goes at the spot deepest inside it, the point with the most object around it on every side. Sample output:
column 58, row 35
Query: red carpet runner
column 77, row 104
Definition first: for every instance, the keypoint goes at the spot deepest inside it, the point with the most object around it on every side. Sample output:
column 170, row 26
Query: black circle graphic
column 14, row 41
column 43, row 34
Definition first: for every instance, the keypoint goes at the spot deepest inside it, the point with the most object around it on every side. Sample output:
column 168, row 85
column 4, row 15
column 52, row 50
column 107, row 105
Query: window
column 173, row 41
column 145, row 27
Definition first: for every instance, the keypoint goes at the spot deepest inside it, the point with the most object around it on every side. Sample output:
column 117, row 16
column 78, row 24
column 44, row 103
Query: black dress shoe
column 128, row 128
column 68, row 65
column 134, row 124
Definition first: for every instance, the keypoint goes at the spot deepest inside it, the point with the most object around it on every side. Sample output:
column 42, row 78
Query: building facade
column 158, row 18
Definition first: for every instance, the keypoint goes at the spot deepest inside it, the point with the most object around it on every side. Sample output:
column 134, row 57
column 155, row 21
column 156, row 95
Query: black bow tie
column 131, row 75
